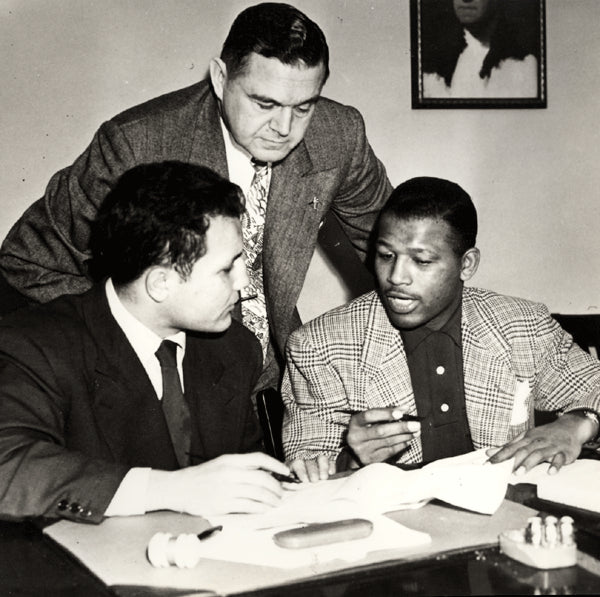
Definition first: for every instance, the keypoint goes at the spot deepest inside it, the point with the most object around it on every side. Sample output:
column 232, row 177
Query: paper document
column 576, row 484
column 467, row 481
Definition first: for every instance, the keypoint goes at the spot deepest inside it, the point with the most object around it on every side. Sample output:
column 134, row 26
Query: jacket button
column 63, row 505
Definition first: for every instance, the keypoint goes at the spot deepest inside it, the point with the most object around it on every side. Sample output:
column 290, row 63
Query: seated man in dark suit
column 135, row 396
column 472, row 364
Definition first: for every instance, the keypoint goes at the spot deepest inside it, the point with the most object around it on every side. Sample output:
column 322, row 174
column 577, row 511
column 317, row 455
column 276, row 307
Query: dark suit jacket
column 44, row 254
column 77, row 409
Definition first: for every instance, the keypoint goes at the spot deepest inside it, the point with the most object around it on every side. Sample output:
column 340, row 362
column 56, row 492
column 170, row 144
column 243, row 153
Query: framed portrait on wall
column 478, row 53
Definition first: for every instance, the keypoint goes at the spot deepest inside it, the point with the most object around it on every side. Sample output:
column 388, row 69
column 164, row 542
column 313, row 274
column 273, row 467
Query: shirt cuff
column 130, row 497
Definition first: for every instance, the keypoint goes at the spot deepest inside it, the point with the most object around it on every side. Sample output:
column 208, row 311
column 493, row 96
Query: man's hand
column 313, row 470
column 558, row 443
column 378, row 434
column 229, row 483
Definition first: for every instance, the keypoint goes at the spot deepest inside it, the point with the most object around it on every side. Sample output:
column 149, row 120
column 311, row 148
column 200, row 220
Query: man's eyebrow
column 431, row 252
column 411, row 250
column 269, row 100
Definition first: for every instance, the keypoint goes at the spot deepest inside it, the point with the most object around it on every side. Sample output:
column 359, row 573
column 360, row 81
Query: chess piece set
column 545, row 543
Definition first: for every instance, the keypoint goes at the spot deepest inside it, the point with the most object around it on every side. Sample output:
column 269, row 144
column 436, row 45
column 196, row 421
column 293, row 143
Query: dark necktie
column 174, row 406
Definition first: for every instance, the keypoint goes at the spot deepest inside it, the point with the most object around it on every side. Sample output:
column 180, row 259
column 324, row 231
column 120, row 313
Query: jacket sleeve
column 315, row 418
column 40, row 475
column 568, row 377
column 365, row 186
column 45, row 252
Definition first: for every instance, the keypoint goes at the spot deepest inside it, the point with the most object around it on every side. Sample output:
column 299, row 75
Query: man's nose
column 282, row 121
column 400, row 274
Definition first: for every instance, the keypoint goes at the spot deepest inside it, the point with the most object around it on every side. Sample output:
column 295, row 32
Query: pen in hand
column 404, row 417
column 285, row 478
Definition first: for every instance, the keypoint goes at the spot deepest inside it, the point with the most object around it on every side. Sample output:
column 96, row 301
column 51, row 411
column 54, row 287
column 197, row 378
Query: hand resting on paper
column 377, row 434
column 558, row 443
column 313, row 470
column 228, row 484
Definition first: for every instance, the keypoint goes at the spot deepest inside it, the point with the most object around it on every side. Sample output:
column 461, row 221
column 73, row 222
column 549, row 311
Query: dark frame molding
column 417, row 39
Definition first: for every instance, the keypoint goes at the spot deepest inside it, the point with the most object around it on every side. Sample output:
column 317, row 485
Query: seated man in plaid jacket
column 467, row 365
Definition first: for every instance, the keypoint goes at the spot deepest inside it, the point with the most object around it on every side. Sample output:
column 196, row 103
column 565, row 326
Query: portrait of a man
column 479, row 52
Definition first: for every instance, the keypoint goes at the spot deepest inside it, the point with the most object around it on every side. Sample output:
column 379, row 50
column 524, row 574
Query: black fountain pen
column 286, row 478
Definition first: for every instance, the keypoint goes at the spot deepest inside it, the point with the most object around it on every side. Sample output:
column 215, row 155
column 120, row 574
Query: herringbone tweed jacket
column 515, row 358
column 46, row 252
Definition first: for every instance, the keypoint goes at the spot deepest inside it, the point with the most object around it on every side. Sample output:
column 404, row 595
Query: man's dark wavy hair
column 275, row 30
column 435, row 198
column 158, row 214
column 516, row 35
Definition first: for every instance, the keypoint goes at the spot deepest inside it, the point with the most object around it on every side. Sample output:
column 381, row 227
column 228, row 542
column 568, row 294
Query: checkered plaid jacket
column 515, row 358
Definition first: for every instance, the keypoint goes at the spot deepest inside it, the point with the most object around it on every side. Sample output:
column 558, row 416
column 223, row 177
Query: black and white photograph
column 478, row 53
column 299, row 298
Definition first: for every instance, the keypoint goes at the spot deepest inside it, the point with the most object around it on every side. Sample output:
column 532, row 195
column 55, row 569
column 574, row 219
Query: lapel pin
column 314, row 202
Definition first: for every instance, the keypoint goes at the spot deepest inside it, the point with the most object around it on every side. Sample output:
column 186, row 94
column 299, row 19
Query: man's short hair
column 158, row 214
column 275, row 30
column 438, row 199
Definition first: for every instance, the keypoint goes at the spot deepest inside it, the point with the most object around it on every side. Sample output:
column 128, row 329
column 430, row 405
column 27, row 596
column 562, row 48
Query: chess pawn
column 567, row 534
column 550, row 537
column 533, row 534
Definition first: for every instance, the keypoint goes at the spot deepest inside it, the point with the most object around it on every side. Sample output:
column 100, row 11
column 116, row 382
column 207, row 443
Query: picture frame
column 478, row 53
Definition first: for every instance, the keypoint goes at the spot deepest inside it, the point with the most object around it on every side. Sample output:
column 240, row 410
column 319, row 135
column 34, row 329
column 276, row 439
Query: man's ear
column 469, row 264
column 157, row 281
column 218, row 76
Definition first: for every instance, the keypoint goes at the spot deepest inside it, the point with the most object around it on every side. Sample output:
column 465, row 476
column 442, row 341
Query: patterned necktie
column 254, row 310
column 174, row 406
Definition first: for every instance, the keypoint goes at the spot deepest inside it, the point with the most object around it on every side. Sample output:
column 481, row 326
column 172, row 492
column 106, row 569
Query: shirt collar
column 412, row 338
column 143, row 340
column 241, row 171
column 239, row 162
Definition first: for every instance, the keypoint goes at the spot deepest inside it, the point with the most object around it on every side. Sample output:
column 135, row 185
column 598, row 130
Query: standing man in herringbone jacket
column 262, row 102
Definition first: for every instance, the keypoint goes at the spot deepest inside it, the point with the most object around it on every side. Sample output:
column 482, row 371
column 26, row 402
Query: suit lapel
column 489, row 379
column 295, row 209
column 385, row 371
column 208, row 147
column 127, row 409
column 383, row 360
column 209, row 392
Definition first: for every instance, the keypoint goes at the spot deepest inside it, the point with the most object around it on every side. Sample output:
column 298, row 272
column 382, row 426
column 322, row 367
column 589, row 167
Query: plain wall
column 533, row 174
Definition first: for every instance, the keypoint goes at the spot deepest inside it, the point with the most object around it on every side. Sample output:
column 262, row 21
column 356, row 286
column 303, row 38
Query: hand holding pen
column 377, row 434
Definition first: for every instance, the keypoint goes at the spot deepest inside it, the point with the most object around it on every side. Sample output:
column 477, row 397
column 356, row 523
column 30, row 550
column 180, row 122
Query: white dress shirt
column 130, row 497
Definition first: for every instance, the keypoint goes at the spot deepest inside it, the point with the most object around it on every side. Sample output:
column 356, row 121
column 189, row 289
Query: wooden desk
column 32, row 564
